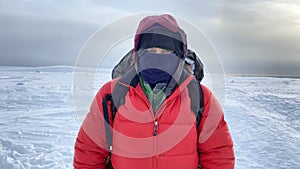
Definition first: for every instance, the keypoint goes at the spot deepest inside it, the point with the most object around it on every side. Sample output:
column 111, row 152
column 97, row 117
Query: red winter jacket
column 178, row 144
column 167, row 140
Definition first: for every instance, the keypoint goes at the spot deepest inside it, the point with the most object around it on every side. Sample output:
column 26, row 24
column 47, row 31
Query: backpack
column 120, row 90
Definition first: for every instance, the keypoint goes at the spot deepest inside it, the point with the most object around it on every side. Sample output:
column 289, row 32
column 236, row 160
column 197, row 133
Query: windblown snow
column 39, row 124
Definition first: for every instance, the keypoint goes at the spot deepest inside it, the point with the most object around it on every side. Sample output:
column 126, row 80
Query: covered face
column 160, row 49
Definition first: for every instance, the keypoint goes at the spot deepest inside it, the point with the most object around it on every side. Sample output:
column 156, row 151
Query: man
column 154, row 126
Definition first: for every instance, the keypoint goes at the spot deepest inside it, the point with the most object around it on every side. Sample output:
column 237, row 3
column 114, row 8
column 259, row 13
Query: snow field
column 39, row 124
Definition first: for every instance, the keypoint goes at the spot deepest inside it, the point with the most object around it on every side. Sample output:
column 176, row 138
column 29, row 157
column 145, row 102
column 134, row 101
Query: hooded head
column 159, row 32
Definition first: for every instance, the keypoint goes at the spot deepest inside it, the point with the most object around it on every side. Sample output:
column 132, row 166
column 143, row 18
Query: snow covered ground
column 39, row 124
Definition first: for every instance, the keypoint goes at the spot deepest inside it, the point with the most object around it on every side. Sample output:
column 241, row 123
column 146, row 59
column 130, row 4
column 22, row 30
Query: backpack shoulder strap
column 122, row 87
column 108, row 132
column 195, row 90
column 117, row 98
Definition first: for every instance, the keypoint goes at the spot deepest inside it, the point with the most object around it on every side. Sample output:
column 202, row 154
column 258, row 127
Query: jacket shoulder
column 107, row 88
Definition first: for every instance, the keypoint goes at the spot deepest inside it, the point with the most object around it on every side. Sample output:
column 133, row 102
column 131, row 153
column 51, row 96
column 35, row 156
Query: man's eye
column 151, row 50
column 166, row 51
column 159, row 50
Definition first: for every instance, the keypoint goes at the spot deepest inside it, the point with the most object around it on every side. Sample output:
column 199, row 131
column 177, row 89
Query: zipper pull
column 155, row 128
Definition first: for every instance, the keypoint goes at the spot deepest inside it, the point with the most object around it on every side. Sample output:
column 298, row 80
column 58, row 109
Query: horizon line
column 227, row 74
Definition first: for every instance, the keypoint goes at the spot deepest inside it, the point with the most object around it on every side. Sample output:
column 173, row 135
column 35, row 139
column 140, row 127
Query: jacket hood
column 161, row 24
column 166, row 26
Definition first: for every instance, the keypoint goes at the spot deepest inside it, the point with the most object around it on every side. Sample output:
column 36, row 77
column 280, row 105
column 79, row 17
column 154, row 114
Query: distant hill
column 265, row 75
column 50, row 69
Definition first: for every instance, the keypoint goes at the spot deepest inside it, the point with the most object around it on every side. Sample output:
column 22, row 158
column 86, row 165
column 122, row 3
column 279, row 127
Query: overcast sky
column 250, row 36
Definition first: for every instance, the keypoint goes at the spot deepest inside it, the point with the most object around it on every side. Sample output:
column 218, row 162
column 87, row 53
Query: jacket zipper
column 154, row 161
column 155, row 131
column 155, row 128
column 155, row 155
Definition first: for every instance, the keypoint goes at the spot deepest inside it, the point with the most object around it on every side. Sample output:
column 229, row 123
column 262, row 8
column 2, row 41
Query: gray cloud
column 250, row 36
column 39, row 33
column 261, row 36
column 36, row 42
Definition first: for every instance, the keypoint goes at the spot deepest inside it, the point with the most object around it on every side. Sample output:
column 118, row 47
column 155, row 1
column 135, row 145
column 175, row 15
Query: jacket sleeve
column 90, row 147
column 215, row 144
